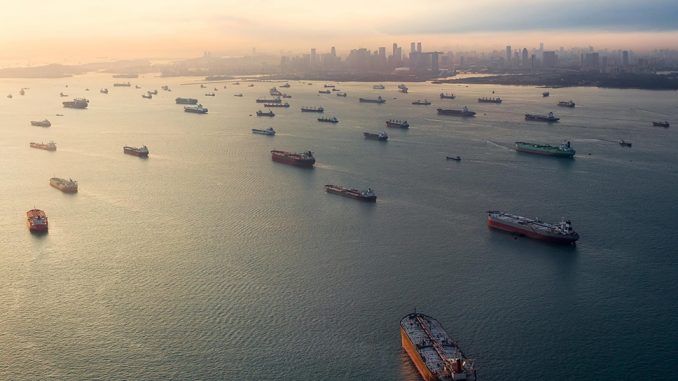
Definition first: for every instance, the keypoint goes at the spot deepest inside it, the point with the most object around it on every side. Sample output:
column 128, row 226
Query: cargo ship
column 328, row 119
column 126, row 84
column 397, row 123
column 550, row 118
column 304, row 159
column 36, row 220
column 341, row 94
column 569, row 104
column 51, row 146
column 66, row 186
column 265, row 113
column 664, row 124
column 381, row 136
column 269, row 100
column 312, row 109
column 186, row 101
column 489, row 100
column 80, row 103
column 435, row 355
column 420, row 102
column 452, row 112
column 447, row 96
column 285, row 105
column 562, row 150
column 324, row 92
column 136, row 151
column 197, row 109
column 41, row 123
column 561, row 232
column 378, row 100
column 362, row 195
column 328, row 86
column 269, row 131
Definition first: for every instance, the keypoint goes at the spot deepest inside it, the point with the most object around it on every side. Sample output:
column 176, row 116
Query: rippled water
column 209, row 261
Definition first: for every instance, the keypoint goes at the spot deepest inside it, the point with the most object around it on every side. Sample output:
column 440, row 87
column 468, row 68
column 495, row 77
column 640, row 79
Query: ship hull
column 352, row 195
column 375, row 137
column 37, row 228
column 135, row 153
column 418, row 362
column 463, row 114
column 499, row 225
column 195, row 111
column 545, row 153
column 283, row 159
column 64, row 188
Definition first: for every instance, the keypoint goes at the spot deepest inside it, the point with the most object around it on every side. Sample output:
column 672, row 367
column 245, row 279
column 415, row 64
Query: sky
column 78, row 31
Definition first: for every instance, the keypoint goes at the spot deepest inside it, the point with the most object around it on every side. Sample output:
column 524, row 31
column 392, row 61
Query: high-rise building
column 314, row 56
column 549, row 59
column 525, row 58
column 395, row 48
column 508, row 55
column 625, row 58
column 419, row 47
column 435, row 65
column 412, row 47
column 333, row 51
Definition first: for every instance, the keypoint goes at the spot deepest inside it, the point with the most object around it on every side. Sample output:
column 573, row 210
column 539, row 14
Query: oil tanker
column 304, row 159
column 436, row 356
column 561, row 232
column 36, row 221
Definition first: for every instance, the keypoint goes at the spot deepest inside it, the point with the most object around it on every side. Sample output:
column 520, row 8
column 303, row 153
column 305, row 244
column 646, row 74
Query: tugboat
column 451, row 112
column 379, row 100
column 624, row 143
column 51, row 146
column 664, row 124
column 569, row 104
column 397, row 123
column 381, row 136
column 447, row 96
column 136, row 151
column 36, row 220
column 563, row 150
column 66, row 186
column 533, row 227
column 303, row 159
column 197, row 109
column 262, row 113
column 328, row 119
column 489, row 100
column 41, row 123
column 420, row 102
column 80, row 103
column 362, row 195
column 312, row 109
column 435, row 355
column 269, row 131
column 550, row 118
column 186, row 101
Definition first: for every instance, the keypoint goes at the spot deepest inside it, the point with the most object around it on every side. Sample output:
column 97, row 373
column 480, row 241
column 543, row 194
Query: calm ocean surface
column 209, row 261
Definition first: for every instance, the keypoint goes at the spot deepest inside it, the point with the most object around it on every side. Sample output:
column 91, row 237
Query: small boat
column 165, row 88
column 120, row 84
column 147, row 96
column 378, row 87
column 420, row 102
column 455, row 158
column 80, row 103
column 286, row 85
column 341, row 94
column 569, row 104
column 63, row 95
column 209, row 94
column 664, row 124
column 545, row 94
column 275, row 92
column 328, row 120
column 250, row 85
column 36, row 220
column 285, row 105
column 327, row 86
column 447, row 96
column 269, row 131
column 269, row 100
column 624, row 143
column 312, row 109
column 397, row 123
column 237, row 95
column 41, row 123
column 186, row 101
column 402, row 88
column 103, row 91
column 264, row 113
column 362, row 195
column 381, row 136
column 9, row 96
column 152, row 92
column 336, row 89
column 22, row 92
column 287, row 96
column 136, row 151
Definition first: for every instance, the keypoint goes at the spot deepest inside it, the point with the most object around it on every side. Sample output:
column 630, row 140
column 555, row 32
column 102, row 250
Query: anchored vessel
column 51, row 146
column 341, row 94
column 378, row 87
column 533, row 227
column 545, row 94
column 664, row 124
column 197, row 109
column 436, row 356
column 447, row 96
column 424, row 102
column 371, row 100
column 324, row 91
column 147, row 95
column 76, row 103
column 328, row 120
column 303, row 159
column 41, row 123
column 127, row 84
column 381, row 136
column 569, row 104
column 489, row 100
column 397, row 123
column 103, row 91
column 312, row 109
column 36, row 220
column 136, row 151
column 562, row 150
column 186, row 101
column 451, row 112
column 402, row 88
column 362, row 195
column 269, row 131
column 542, row 118
column 277, row 105
column 275, row 92
column 66, row 186
column 265, row 113
column 269, row 100
column 624, row 143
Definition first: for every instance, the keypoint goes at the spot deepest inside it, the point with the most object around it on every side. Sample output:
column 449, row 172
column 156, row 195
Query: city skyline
column 124, row 30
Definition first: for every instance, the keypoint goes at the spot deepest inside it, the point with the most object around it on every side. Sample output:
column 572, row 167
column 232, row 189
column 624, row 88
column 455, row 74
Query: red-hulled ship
column 364, row 195
column 435, row 355
column 36, row 220
column 533, row 227
column 303, row 159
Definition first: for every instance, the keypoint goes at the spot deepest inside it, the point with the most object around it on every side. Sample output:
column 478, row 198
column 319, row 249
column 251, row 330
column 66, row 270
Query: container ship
column 420, row 102
column 41, row 123
column 381, row 136
column 569, row 104
column 186, row 101
column 312, row 109
column 197, row 109
column 562, row 150
column 561, row 232
column 542, row 118
column 378, row 100
column 664, row 124
column 489, row 100
column 80, row 103
column 362, row 195
column 268, row 131
column 136, row 151
column 436, row 356
column 447, row 96
column 328, row 120
column 304, row 159
column 51, row 146
column 66, row 186
column 451, row 112
column 36, row 220
column 397, row 124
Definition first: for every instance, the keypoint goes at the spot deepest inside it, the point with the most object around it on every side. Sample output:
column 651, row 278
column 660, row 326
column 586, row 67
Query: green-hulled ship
column 563, row 150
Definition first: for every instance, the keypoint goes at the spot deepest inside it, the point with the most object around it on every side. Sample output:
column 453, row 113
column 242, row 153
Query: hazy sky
column 84, row 30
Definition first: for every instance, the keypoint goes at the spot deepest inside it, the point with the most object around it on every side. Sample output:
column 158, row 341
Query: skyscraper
column 412, row 48
column 333, row 52
column 508, row 55
column 419, row 47
column 525, row 58
column 625, row 58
